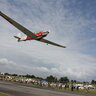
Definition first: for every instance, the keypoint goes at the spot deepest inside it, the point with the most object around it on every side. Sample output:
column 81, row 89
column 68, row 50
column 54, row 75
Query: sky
column 71, row 23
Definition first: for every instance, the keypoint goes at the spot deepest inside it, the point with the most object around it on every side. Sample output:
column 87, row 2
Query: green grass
column 3, row 94
column 92, row 91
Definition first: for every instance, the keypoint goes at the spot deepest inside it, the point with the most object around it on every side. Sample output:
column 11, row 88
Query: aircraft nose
column 47, row 32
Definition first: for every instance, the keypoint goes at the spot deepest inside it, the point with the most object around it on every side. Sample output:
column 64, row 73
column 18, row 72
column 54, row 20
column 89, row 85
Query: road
column 23, row 90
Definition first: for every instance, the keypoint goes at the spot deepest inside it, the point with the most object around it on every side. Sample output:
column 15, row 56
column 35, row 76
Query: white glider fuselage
column 40, row 35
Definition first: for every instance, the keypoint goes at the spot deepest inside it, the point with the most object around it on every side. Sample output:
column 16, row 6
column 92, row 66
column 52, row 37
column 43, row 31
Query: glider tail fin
column 18, row 37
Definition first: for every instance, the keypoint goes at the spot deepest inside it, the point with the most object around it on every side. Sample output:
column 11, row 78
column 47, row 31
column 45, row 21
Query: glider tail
column 18, row 37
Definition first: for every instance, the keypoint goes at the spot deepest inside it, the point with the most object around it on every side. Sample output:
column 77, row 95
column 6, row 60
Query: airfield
column 15, row 89
column 29, row 57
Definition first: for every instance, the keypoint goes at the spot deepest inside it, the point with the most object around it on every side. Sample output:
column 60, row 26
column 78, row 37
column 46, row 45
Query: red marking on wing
column 39, row 34
column 28, row 38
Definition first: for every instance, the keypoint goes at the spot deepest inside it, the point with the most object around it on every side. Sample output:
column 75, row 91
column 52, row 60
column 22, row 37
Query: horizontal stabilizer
column 17, row 38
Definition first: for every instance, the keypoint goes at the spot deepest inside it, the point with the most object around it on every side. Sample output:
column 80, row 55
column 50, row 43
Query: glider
column 30, row 35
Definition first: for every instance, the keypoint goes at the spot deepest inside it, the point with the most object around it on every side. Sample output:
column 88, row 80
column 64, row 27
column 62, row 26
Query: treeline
column 27, row 76
column 93, row 82
column 51, row 79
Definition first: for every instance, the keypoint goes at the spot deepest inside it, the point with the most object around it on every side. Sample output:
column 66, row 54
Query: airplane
column 30, row 35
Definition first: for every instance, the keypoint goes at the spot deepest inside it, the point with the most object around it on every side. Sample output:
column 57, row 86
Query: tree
column 14, row 74
column 29, row 76
column 93, row 82
column 40, row 78
column 51, row 79
column 6, row 74
column 74, row 81
column 64, row 80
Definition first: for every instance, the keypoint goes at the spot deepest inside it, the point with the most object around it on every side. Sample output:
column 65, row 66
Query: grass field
column 93, row 91
column 3, row 94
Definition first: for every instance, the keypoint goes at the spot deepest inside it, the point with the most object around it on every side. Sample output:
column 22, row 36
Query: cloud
column 93, row 39
column 4, row 62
